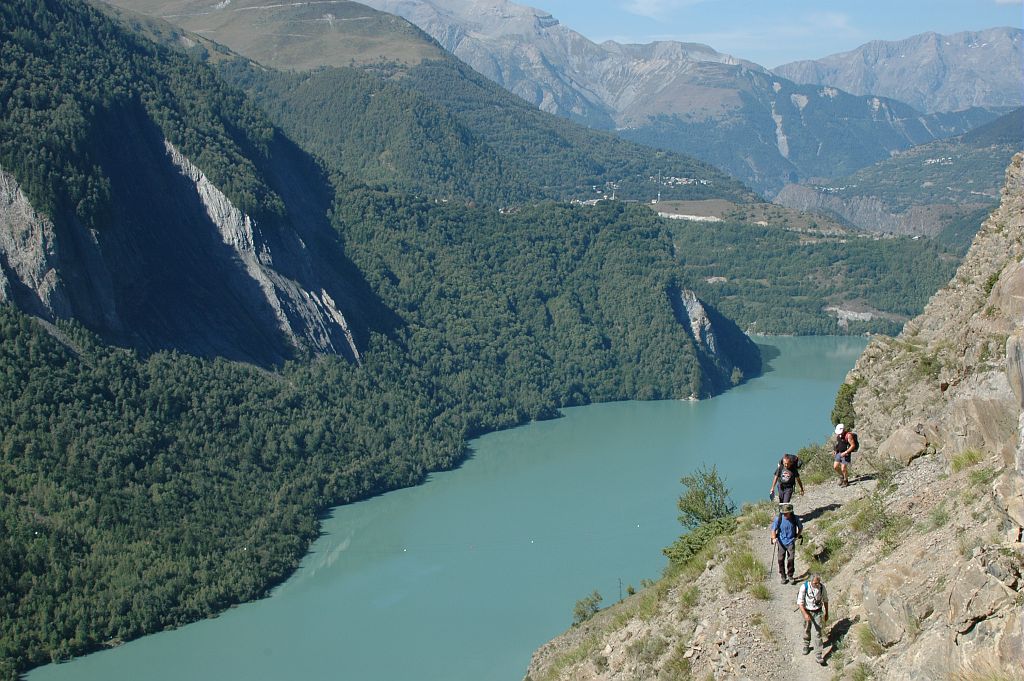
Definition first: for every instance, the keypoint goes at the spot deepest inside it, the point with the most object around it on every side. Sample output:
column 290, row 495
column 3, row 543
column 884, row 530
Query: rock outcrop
column 925, row 568
column 28, row 254
column 725, row 352
column 175, row 265
column 865, row 212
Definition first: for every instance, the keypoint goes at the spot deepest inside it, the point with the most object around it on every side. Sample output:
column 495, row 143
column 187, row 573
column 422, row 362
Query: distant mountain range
column 764, row 129
column 930, row 71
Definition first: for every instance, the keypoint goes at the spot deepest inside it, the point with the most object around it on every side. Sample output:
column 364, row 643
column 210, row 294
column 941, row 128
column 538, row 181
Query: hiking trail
column 780, row 614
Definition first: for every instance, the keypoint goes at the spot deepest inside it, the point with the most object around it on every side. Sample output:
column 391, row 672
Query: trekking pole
column 775, row 550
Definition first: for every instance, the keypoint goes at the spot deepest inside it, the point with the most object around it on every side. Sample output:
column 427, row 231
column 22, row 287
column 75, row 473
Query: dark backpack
column 796, row 462
column 841, row 442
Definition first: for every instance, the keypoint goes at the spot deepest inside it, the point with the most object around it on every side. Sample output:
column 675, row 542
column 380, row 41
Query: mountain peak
column 930, row 71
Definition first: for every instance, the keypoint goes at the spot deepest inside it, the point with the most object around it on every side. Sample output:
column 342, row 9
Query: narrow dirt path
column 781, row 614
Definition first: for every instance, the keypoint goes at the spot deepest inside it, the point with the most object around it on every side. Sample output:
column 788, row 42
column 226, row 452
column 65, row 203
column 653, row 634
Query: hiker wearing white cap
column 846, row 445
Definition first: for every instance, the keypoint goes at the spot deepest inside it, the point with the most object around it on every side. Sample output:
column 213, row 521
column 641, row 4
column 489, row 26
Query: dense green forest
column 61, row 69
column 142, row 491
column 380, row 133
column 772, row 281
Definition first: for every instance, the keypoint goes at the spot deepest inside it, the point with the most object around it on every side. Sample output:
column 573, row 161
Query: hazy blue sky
column 773, row 32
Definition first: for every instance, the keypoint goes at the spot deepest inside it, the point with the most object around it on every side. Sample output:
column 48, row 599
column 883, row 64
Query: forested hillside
column 144, row 488
column 774, row 281
column 442, row 130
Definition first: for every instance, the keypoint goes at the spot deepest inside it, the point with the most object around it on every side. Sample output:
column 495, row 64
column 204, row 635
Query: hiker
column 846, row 444
column 812, row 599
column 787, row 475
column 786, row 529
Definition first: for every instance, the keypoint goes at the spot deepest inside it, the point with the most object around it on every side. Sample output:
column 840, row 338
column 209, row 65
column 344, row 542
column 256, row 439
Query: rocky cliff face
column 923, row 554
column 28, row 254
column 528, row 52
column 931, row 72
column 865, row 212
column 944, row 398
column 727, row 355
column 176, row 265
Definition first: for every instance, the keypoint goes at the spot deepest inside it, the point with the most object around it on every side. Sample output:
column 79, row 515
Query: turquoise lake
column 462, row 578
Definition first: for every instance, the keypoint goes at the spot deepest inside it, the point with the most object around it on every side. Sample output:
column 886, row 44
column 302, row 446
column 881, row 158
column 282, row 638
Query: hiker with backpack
column 787, row 475
column 786, row 529
column 812, row 599
column 846, row 445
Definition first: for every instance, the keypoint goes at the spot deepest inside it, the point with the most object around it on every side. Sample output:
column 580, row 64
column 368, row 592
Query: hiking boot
column 807, row 650
column 821, row 661
column 784, row 580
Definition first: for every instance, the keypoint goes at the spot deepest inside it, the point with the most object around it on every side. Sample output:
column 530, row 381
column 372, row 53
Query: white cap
column 840, row 428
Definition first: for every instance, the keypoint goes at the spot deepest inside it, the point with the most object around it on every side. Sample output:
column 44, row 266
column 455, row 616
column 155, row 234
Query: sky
column 774, row 32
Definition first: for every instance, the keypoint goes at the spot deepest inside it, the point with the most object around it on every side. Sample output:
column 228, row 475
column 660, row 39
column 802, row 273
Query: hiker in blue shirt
column 786, row 529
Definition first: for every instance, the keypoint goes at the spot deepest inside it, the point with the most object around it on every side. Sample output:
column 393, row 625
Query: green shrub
column 647, row 650
column 689, row 597
column 705, row 499
column 867, row 641
column 842, row 411
column 816, row 463
column 861, row 672
column 757, row 515
column 743, row 570
column 690, row 545
column 939, row 517
column 586, row 608
column 677, row 667
column 983, row 476
column 991, row 282
column 761, row 592
column 966, row 459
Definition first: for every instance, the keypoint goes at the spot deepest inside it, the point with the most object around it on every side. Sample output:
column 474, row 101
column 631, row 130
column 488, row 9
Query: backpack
column 841, row 442
column 817, row 600
column 796, row 462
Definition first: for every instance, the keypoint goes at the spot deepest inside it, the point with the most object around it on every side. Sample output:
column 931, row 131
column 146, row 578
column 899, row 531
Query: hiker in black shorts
column 846, row 444
column 787, row 475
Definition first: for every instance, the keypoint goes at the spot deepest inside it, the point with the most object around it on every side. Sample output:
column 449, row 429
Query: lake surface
column 462, row 578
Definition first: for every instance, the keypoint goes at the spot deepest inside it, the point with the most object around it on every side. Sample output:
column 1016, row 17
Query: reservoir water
column 461, row 578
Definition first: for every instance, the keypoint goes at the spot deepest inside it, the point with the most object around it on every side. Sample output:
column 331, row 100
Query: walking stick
column 775, row 550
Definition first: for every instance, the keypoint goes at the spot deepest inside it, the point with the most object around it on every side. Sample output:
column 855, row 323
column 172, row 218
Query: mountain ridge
column 930, row 71
column 683, row 97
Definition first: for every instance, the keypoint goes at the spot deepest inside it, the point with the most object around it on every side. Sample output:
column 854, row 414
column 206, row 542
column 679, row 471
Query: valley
column 259, row 261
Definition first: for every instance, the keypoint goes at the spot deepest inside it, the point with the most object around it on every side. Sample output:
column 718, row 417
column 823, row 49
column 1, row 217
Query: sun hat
column 840, row 428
